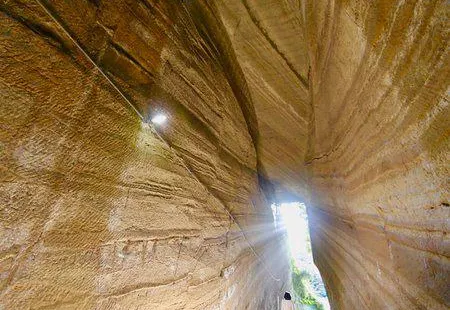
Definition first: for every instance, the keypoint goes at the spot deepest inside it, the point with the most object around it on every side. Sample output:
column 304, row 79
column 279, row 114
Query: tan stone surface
column 380, row 152
column 270, row 46
column 343, row 103
column 97, row 211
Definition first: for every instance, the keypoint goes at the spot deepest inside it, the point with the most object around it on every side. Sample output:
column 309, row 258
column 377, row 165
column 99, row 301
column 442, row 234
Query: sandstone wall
column 268, row 38
column 379, row 152
column 99, row 210
column 347, row 103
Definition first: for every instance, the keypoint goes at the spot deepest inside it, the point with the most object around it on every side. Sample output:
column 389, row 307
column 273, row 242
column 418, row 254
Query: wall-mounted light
column 159, row 119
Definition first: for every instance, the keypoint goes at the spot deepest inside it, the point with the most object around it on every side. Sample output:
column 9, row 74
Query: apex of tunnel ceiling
column 268, row 40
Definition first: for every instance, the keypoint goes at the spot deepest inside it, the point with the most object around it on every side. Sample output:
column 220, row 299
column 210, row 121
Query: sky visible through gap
column 307, row 281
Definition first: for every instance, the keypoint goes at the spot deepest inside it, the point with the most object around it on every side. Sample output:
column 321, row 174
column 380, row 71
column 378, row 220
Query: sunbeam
column 307, row 282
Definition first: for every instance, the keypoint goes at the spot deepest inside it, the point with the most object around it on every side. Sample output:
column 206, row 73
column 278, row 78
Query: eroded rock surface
column 380, row 152
column 376, row 155
column 98, row 210
column 341, row 103
column 269, row 43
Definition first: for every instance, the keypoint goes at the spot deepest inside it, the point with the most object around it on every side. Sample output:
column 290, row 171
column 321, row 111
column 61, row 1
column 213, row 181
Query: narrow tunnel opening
column 307, row 284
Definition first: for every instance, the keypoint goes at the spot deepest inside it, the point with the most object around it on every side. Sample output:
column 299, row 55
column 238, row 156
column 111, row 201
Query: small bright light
column 159, row 119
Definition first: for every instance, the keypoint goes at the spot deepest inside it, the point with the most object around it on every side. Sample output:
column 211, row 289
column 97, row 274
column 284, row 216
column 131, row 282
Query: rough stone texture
column 377, row 149
column 270, row 46
column 380, row 151
column 98, row 210
column 346, row 106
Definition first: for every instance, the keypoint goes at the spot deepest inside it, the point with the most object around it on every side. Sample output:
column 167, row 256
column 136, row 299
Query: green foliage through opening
column 301, row 281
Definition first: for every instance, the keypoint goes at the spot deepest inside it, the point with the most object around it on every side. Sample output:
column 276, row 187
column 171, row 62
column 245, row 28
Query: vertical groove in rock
column 268, row 41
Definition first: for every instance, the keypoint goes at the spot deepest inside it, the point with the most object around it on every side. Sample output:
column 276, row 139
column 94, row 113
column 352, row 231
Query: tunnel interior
column 308, row 289
column 143, row 142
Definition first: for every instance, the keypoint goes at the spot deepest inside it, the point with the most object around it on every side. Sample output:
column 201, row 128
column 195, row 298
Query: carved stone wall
column 380, row 151
column 342, row 103
column 99, row 209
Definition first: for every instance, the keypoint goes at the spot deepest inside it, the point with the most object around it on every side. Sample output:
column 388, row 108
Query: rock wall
column 359, row 92
column 379, row 152
column 102, row 210
column 346, row 107
column 270, row 45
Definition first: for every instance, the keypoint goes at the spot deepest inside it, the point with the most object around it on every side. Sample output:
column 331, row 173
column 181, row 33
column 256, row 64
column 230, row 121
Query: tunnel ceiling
column 269, row 42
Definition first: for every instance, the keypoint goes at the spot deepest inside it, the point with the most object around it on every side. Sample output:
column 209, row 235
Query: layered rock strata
column 377, row 139
column 269, row 43
column 101, row 210
column 379, row 152
column 343, row 104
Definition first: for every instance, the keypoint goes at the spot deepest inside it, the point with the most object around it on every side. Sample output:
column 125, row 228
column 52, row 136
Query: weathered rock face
column 270, row 46
column 98, row 210
column 378, row 137
column 379, row 152
column 342, row 103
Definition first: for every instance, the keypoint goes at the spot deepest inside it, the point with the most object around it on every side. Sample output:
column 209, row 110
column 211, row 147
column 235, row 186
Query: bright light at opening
column 159, row 119
column 296, row 223
column 293, row 218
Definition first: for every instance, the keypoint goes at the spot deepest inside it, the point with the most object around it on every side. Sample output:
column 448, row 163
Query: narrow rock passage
column 307, row 284
column 143, row 142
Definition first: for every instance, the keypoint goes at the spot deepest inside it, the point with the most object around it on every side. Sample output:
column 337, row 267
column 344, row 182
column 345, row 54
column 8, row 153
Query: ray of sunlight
column 309, row 290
